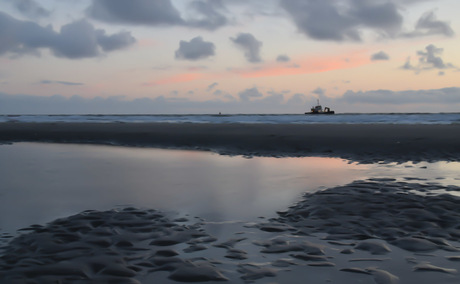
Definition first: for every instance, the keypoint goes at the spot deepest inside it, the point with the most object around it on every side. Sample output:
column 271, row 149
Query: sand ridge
column 372, row 231
column 362, row 142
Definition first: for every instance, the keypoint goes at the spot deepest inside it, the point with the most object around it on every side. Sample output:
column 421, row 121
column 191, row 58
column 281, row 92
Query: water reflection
column 42, row 182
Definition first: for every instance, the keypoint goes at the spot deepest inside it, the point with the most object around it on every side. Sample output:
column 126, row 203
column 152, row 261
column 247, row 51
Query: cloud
column 319, row 91
column 407, row 65
column 116, row 41
column 428, row 59
column 65, row 83
column 145, row 12
column 209, row 14
column 445, row 96
column 195, row 49
column 428, row 24
column 343, row 20
column 212, row 86
column 75, row 40
column 30, row 8
column 283, row 58
column 202, row 14
column 248, row 94
column 251, row 101
column 250, row 45
column 380, row 56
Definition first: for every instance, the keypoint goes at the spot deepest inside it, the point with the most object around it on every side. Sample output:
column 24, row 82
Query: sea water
column 348, row 118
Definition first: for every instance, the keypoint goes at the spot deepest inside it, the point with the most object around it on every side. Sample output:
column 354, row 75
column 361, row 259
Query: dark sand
column 361, row 142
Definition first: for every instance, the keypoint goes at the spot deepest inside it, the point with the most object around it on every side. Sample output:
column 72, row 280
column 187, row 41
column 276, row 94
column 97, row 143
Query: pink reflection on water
column 41, row 182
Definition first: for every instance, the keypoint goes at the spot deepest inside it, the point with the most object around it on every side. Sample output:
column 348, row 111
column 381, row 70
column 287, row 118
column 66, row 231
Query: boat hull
column 329, row 112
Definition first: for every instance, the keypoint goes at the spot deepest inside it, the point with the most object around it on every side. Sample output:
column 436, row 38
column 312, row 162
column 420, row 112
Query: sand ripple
column 396, row 212
column 332, row 235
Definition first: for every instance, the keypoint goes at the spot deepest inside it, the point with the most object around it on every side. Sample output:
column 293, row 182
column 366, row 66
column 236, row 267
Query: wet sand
column 369, row 231
column 372, row 231
column 361, row 142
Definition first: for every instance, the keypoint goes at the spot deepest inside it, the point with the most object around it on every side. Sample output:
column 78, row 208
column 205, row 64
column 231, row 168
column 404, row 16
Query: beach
column 400, row 224
column 361, row 142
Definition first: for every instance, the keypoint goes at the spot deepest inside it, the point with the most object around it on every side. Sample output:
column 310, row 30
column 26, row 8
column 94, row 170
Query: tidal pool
column 41, row 182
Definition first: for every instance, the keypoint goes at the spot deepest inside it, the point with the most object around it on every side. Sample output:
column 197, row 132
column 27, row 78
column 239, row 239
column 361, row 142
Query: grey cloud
column 195, row 49
column 248, row 94
column 407, row 65
column 428, row 59
column 383, row 16
column 428, row 24
column 75, row 40
column 203, row 14
column 319, row 91
column 283, row 58
column 343, row 20
column 273, row 98
column 250, row 45
column 116, row 41
column 415, row 100
column 30, row 8
column 297, row 99
column 22, row 36
column 209, row 14
column 65, row 83
column 445, row 95
column 146, row 12
column 212, row 86
column 380, row 56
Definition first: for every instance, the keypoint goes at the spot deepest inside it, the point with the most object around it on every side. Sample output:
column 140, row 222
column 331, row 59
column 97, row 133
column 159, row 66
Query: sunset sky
column 229, row 56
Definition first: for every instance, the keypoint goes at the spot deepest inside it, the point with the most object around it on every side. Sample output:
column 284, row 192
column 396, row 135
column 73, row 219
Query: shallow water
column 338, row 118
column 42, row 182
column 377, row 230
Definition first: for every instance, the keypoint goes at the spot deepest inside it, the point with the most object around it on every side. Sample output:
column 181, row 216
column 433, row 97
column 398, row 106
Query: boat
column 318, row 109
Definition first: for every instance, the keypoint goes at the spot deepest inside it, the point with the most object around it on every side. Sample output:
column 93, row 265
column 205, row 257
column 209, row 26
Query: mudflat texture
column 362, row 142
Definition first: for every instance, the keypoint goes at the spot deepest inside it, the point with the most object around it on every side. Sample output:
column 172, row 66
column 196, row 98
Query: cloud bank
column 75, row 40
column 30, row 8
column 250, row 100
column 379, row 97
column 146, row 12
column 202, row 14
column 343, row 20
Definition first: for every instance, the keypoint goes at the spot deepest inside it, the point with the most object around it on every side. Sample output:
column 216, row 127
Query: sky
column 228, row 56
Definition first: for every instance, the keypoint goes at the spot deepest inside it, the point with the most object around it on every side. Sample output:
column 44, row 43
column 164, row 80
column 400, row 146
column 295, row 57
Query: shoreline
column 366, row 143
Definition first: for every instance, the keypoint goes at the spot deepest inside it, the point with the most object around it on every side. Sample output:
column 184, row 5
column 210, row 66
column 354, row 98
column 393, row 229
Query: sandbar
column 361, row 142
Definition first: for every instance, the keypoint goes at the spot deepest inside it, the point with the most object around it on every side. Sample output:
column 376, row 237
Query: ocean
column 346, row 118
